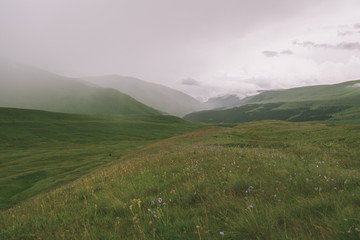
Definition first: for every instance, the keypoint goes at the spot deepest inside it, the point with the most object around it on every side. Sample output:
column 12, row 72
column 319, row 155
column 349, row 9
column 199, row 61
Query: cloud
column 345, row 33
column 190, row 81
column 287, row 52
column 276, row 53
column 357, row 25
column 270, row 53
column 339, row 46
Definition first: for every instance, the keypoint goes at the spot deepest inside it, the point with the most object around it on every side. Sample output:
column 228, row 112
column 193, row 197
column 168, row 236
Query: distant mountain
column 165, row 99
column 225, row 101
column 338, row 103
column 22, row 86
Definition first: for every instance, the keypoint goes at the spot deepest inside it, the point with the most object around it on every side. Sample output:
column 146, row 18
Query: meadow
column 40, row 150
column 260, row 180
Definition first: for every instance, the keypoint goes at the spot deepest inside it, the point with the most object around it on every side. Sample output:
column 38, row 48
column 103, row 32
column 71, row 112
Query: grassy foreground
column 42, row 150
column 263, row 180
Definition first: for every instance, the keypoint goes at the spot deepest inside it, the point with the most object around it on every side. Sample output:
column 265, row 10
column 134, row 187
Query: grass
column 40, row 151
column 261, row 180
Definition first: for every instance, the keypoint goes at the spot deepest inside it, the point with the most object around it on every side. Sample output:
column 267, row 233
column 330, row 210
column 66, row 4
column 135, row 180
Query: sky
column 205, row 48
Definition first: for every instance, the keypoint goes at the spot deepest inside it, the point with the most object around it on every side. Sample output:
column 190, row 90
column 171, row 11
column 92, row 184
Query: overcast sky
column 202, row 47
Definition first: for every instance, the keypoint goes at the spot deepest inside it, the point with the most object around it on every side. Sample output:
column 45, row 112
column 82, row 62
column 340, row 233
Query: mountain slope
column 336, row 92
column 337, row 103
column 26, row 87
column 157, row 96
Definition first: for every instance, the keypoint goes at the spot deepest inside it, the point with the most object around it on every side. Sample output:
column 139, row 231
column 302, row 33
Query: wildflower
column 250, row 207
column 262, row 191
column 164, row 203
column 349, row 232
column 357, row 229
column 159, row 200
column 154, row 213
column 279, row 201
column 245, row 198
column 278, row 182
column 295, row 182
column 308, row 180
column 335, row 188
column 150, row 222
column 152, row 202
column 222, row 233
column 316, row 188
column 275, row 196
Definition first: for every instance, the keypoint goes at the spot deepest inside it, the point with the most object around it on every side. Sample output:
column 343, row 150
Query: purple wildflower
column 222, row 233
column 159, row 200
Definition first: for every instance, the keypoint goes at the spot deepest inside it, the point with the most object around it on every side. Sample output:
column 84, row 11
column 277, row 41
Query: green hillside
column 263, row 180
column 339, row 103
column 30, row 88
column 42, row 150
column 344, row 92
column 165, row 99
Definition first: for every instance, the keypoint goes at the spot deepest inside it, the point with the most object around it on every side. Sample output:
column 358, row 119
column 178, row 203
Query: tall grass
column 264, row 180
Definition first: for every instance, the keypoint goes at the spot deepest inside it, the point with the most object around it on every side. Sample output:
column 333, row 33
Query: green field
column 42, row 150
column 261, row 180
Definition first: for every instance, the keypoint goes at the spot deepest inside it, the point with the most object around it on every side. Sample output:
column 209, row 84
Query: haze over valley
column 206, row 119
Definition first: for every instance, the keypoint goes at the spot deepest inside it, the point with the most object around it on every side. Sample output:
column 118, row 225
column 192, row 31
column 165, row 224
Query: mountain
column 22, row 86
column 335, row 103
column 157, row 96
column 225, row 101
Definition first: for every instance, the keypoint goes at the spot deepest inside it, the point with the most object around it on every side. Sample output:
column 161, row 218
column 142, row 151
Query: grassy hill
column 42, row 150
column 331, row 103
column 26, row 87
column 263, row 180
column 165, row 99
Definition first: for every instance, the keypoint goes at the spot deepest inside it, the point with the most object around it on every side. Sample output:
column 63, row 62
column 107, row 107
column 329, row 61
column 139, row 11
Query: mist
column 203, row 48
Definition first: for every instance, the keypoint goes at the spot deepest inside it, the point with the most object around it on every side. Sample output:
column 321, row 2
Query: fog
column 204, row 48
